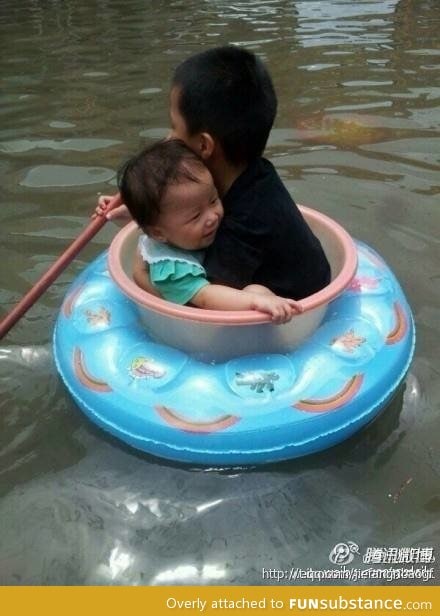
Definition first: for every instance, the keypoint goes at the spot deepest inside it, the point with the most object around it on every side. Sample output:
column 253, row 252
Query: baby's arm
column 218, row 297
column 141, row 274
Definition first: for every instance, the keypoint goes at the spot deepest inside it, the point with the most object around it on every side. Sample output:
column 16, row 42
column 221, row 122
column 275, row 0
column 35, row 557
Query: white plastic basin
column 219, row 335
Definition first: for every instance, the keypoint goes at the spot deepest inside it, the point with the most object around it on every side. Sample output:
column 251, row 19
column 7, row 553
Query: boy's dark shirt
column 263, row 238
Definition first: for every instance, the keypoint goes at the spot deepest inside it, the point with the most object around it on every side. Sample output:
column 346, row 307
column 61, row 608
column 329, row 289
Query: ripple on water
column 154, row 133
column 96, row 74
column 44, row 176
column 318, row 67
column 417, row 150
column 76, row 507
column 150, row 91
column 13, row 99
column 61, row 124
column 76, row 145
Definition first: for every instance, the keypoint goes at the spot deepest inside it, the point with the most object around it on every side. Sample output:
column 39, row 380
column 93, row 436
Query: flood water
column 84, row 84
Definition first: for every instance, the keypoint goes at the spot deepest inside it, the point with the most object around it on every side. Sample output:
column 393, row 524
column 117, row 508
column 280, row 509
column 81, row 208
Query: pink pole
column 55, row 270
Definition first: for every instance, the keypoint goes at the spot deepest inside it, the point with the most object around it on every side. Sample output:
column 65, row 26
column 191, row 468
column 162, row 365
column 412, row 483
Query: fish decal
column 145, row 368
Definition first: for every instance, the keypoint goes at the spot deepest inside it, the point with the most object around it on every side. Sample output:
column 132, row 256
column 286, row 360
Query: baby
column 171, row 194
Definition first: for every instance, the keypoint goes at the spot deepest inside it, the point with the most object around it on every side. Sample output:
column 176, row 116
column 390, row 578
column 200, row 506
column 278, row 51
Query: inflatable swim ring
column 229, row 388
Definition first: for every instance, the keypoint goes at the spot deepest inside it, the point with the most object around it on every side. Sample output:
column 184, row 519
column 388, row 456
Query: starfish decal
column 100, row 317
column 348, row 341
column 363, row 282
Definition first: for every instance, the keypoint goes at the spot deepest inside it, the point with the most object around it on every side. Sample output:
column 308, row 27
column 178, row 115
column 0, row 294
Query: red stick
column 55, row 270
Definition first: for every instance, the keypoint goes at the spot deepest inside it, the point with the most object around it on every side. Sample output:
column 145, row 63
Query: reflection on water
column 83, row 85
column 44, row 176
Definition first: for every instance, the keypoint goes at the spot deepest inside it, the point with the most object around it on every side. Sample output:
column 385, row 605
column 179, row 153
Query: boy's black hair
column 143, row 179
column 228, row 92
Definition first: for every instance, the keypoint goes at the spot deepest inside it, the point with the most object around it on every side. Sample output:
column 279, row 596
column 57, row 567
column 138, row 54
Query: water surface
column 357, row 136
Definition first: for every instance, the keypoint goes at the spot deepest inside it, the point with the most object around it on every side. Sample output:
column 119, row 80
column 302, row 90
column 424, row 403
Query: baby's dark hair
column 228, row 92
column 143, row 179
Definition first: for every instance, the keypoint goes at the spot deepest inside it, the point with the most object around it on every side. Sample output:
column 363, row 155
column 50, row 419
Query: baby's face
column 191, row 213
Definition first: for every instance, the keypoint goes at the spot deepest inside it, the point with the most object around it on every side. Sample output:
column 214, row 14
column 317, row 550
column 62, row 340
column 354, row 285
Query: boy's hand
column 119, row 215
column 281, row 309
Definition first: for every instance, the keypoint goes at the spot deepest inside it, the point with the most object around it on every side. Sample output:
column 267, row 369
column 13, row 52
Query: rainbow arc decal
column 331, row 403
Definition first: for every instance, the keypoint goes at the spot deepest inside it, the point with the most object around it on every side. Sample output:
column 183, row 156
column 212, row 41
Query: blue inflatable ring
column 252, row 409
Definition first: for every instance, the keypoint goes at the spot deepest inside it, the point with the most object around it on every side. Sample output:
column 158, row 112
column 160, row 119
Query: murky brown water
column 357, row 136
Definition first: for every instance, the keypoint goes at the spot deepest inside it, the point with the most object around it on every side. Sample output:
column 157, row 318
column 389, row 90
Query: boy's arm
column 219, row 297
column 141, row 275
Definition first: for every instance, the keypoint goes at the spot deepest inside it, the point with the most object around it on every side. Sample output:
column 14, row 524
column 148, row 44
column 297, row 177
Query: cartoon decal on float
column 98, row 317
column 257, row 380
column 145, row 368
column 348, row 342
column 363, row 283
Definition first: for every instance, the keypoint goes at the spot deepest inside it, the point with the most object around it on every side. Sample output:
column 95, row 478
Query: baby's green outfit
column 176, row 273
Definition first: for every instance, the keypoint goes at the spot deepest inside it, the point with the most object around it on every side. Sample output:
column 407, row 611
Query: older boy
column 223, row 105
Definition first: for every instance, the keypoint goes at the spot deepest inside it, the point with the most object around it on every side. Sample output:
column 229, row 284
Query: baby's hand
column 281, row 309
column 119, row 215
